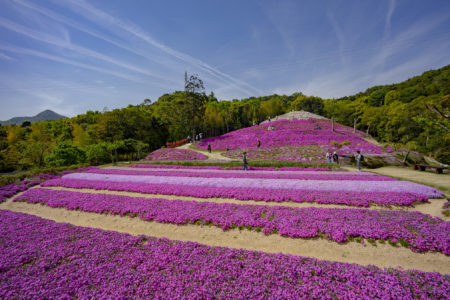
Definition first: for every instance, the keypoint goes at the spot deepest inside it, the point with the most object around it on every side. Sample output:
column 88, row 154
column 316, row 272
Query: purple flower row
column 49, row 260
column 10, row 190
column 290, row 184
column 145, row 166
column 418, row 231
column 234, row 174
column 175, row 154
column 361, row 199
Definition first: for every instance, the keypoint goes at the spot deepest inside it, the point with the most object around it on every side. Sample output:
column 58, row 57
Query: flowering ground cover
column 289, row 184
column 418, row 231
column 45, row 259
column 175, row 154
column 314, row 137
column 10, row 190
column 237, row 174
column 152, row 166
column 307, row 153
column 362, row 199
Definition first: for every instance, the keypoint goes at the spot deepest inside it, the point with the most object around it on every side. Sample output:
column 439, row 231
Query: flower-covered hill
column 174, row 154
column 298, row 140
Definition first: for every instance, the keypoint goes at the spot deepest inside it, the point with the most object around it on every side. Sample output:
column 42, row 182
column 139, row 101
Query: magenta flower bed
column 362, row 199
column 236, row 174
column 10, row 190
column 45, row 259
column 298, row 133
column 148, row 166
column 421, row 232
column 290, row 184
column 175, row 154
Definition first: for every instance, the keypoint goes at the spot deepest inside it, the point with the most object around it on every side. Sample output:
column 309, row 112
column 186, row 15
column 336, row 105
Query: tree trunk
column 406, row 157
column 367, row 132
column 332, row 125
column 354, row 125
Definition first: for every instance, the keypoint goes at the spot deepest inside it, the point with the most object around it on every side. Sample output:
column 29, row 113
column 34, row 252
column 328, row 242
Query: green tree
column 65, row 154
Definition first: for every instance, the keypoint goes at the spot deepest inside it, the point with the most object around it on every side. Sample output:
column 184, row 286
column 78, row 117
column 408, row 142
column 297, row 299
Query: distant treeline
column 413, row 114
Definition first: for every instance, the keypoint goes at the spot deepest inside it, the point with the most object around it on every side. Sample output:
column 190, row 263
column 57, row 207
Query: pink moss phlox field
column 175, row 154
column 290, row 184
column 421, row 232
column 293, row 133
column 361, row 199
column 148, row 166
column 10, row 190
column 234, row 174
column 49, row 260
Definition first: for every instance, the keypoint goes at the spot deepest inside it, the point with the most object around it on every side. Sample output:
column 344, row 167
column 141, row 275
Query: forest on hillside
column 413, row 115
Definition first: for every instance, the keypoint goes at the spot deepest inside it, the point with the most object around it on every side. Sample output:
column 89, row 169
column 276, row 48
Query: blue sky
column 73, row 55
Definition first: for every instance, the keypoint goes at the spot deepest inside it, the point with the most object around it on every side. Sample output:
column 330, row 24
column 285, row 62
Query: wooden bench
column 422, row 167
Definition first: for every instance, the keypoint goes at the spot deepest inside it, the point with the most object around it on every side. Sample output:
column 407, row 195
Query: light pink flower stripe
column 325, row 185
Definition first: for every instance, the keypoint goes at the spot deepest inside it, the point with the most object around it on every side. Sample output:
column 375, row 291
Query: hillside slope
column 45, row 115
column 295, row 140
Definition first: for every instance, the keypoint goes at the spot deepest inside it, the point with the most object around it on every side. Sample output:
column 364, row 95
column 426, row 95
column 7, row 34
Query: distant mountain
column 46, row 115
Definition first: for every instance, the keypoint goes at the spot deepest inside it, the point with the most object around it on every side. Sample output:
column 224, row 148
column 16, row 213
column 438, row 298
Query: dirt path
column 433, row 208
column 440, row 181
column 211, row 156
column 383, row 255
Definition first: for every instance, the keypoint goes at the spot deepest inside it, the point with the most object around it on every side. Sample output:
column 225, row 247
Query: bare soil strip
column 437, row 180
column 383, row 255
column 433, row 208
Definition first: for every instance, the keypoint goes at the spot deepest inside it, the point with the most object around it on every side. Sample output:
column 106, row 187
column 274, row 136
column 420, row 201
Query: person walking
column 258, row 143
column 359, row 158
column 189, row 139
column 328, row 157
column 244, row 160
column 209, row 147
column 335, row 158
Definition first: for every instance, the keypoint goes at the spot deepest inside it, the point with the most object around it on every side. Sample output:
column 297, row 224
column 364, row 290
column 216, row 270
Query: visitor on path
column 258, row 143
column 359, row 158
column 209, row 147
column 328, row 157
column 189, row 139
column 269, row 119
column 244, row 160
column 196, row 137
column 200, row 135
column 227, row 148
column 335, row 158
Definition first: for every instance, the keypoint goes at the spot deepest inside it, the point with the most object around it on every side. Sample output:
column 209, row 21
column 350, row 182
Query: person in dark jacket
column 244, row 160
column 209, row 147
column 335, row 158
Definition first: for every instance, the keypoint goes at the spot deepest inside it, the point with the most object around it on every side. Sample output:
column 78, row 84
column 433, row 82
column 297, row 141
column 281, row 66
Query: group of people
column 197, row 137
column 334, row 158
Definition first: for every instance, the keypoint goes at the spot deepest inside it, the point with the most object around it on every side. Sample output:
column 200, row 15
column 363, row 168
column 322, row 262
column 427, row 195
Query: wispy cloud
column 340, row 35
column 6, row 57
column 67, row 44
column 15, row 49
column 398, row 43
column 389, row 14
column 124, row 27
